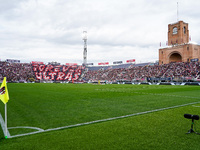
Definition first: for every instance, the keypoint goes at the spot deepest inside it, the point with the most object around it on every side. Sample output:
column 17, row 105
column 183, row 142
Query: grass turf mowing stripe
column 103, row 120
column 156, row 94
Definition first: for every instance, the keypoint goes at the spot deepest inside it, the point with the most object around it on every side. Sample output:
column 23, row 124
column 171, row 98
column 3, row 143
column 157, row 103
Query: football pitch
column 89, row 116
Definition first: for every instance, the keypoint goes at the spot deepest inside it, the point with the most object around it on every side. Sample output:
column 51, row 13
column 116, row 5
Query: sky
column 117, row 30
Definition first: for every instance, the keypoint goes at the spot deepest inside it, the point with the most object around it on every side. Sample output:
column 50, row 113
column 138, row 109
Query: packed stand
column 189, row 70
column 16, row 72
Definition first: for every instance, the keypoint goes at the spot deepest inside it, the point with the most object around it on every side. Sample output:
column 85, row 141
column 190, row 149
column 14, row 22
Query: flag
column 4, row 92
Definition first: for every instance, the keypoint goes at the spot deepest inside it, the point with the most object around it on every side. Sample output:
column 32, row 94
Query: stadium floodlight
column 193, row 117
column 85, row 48
column 84, row 35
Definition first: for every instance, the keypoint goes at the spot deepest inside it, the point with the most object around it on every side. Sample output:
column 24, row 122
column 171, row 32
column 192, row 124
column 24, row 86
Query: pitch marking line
column 103, row 120
column 3, row 127
column 35, row 128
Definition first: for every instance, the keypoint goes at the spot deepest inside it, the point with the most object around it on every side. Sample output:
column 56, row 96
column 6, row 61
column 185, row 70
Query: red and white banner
column 103, row 63
column 57, row 73
column 37, row 62
column 130, row 61
column 71, row 64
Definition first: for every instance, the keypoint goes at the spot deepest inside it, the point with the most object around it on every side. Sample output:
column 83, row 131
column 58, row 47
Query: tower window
column 175, row 30
column 184, row 30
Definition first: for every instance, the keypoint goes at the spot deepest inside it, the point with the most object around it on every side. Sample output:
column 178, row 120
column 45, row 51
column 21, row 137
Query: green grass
column 55, row 105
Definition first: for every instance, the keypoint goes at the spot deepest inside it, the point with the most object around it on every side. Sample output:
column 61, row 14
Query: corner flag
column 4, row 92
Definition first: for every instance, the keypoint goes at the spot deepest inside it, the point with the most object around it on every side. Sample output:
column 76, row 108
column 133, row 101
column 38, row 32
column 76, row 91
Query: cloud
column 51, row 30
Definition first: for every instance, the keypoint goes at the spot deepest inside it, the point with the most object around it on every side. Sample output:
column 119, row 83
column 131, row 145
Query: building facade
column 179, row 49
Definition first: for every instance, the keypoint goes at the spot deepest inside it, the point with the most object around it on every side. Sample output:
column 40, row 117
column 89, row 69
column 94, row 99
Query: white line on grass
column 34, row 128
column 3, row 127
column 103, row 120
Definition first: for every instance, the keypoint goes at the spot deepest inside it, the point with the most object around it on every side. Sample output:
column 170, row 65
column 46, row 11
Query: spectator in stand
column 16, row 72
column 172, row 70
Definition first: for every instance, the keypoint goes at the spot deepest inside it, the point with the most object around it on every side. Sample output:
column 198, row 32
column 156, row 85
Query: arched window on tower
column 175, row 30
column 184, row 30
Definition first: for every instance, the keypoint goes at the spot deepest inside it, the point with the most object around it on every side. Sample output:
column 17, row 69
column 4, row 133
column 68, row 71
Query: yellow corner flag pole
column 4, row 98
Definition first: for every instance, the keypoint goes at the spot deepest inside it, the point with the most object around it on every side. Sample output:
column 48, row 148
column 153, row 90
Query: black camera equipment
column 193, row 117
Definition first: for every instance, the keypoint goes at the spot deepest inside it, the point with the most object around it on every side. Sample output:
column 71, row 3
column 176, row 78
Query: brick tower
column 179, row 49
column 178, row 33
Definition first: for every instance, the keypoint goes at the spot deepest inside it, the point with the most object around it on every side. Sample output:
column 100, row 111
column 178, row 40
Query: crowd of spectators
column 16, row 72
column 190, row 70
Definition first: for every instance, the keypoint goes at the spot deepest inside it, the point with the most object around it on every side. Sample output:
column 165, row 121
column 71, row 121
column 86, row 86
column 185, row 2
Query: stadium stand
column 93, row 68
column 180, row 71
column 16, row 72
column 173, row 72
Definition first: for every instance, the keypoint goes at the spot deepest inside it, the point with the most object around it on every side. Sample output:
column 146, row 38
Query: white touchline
column 97, row 121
